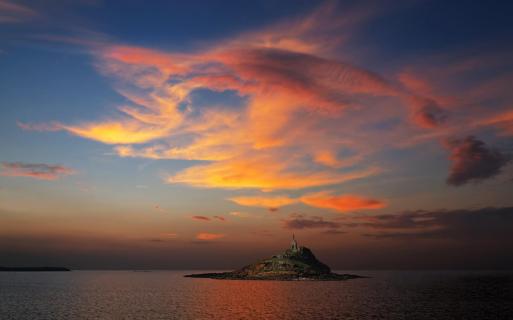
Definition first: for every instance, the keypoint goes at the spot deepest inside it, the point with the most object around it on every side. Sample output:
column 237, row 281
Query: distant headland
column 33, row 269
column 296, row 263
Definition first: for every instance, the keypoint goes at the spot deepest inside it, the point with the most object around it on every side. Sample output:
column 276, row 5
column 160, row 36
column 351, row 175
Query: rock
column 296, row 263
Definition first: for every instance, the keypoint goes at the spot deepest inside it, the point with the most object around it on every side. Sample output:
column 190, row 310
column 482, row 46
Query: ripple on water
column 167, row 295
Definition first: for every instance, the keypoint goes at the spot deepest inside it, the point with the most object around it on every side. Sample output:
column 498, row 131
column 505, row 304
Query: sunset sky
column 202, row 134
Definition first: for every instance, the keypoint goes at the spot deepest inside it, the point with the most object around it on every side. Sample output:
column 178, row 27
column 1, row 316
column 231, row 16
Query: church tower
column 293, row 244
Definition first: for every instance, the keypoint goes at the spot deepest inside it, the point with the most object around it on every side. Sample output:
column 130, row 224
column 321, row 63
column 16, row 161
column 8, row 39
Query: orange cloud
column 261, row 174
column 341, row 203
column 503, row 121
column 288, row 90
column 147, row 57
column 300, row 114
column 205, row 236
column 321, row 31
column 265, row 202
column 329, row 159
column 326, row 200
column 117, row 132
column 415, row 84
column 38, row 171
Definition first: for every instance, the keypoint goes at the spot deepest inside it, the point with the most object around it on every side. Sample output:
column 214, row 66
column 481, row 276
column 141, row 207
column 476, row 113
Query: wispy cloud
column 264, row 174
column 11, row 12
column 304, row 119
column 268, row 202
column 38, row 171
column 270, row 70
column 502, row 120
column 52, row 126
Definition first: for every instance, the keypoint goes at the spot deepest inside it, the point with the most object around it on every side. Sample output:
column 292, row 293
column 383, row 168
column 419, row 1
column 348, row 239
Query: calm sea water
column 167, row 295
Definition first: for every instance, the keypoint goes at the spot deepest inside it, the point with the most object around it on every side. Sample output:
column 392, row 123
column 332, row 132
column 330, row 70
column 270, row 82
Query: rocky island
column 296, row 263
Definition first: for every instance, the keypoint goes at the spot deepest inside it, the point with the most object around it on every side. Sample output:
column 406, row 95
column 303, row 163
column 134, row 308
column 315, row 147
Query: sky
column 203, row 134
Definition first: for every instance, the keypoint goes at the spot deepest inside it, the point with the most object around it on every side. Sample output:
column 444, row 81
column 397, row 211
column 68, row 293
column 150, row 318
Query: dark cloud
column 205, row 218
column 300, row 222
column 201, row 218
column 39, row 171
column 483, row 225
column 473, row 160
column 405, row 220
column 441, row 239
column 429, row 114
column 333, row 84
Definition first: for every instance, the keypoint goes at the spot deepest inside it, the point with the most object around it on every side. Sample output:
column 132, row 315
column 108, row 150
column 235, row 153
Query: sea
column 168, row 295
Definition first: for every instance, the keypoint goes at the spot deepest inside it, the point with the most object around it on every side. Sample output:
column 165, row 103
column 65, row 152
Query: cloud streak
column 39, row 171
column 205, row 218
column 11, row 12
column 324, row 200
column 273, row 202
column 299, row 222
column 200, row 218
column 41, row 127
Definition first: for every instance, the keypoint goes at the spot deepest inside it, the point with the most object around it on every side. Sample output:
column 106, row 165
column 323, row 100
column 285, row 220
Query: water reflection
column 167, row 295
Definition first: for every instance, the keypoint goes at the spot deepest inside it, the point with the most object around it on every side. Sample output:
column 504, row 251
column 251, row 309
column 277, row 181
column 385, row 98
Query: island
column 295, row 264
column 33, row 269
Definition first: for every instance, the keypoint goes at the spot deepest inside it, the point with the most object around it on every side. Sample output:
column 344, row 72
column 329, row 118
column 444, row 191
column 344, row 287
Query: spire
column 293, row 244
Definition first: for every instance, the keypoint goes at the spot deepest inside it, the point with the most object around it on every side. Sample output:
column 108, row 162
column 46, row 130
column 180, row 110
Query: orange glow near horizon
column 209, row 236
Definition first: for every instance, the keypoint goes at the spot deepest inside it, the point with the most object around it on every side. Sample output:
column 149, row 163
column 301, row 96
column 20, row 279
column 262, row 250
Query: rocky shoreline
column 275, row 277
